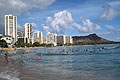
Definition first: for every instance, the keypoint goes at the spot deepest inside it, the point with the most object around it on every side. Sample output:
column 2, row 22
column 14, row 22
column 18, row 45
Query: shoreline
column 64, row 46
column 57, row 46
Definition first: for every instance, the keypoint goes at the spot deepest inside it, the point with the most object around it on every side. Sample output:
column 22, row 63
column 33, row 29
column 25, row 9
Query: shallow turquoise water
column 68, row 63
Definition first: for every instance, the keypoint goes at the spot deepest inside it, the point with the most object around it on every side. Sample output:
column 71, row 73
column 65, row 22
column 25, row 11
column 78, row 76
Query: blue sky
column 69, row 17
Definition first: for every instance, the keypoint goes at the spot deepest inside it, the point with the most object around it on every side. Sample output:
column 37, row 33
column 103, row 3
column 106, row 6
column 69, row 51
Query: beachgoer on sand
column 6, row 59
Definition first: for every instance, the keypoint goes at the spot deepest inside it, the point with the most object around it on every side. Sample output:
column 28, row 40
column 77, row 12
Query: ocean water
column 98, row 62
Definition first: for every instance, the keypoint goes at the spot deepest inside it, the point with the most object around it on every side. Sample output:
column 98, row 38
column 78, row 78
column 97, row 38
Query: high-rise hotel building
column 11, row 26
column 37, row 34
column 38, row 37
column 51, row 38
column 28, row 31
column 69, row 39
column 61, row 39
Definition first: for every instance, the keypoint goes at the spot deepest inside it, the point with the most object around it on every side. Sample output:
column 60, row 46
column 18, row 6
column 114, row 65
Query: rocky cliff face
column 89, row 38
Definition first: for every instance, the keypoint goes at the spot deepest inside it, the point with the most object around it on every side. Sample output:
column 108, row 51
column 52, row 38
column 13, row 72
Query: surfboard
column 36, row 58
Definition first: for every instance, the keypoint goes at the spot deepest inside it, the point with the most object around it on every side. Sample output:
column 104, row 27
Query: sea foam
column 7, row 76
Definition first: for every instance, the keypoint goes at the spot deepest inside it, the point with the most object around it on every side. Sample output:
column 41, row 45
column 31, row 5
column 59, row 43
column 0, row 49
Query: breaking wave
column 9, row 76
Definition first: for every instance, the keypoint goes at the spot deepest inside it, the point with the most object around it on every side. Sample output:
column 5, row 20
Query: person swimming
column 48, row 52
column 41, row 54
column 6, row 59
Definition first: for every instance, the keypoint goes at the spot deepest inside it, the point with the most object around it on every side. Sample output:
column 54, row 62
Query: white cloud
column 87, row 26
column 112, row 29
column 46, row 28
column 19, row 27
column 109, row 13
column 20, row 6
column 34, row 27
column 111, row 33
column 49, row 20
column 30, row 18
column 97, row 27
column 115, row 3
column 63, row 21
column 105, row 33
column 60, row 22
column 118, row 38
column 17, row 7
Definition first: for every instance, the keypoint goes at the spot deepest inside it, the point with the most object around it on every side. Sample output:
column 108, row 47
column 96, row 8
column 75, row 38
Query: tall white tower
column 51, row 38
column 38, row 37
column 28, row 31
column 11, row 26
column 37, row 34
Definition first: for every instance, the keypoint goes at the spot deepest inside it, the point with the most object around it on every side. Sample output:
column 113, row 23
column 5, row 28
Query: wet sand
column 2, row 65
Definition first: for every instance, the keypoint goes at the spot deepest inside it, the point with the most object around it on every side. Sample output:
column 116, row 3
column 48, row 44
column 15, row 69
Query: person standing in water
column 41, row 54
column 6, row 59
